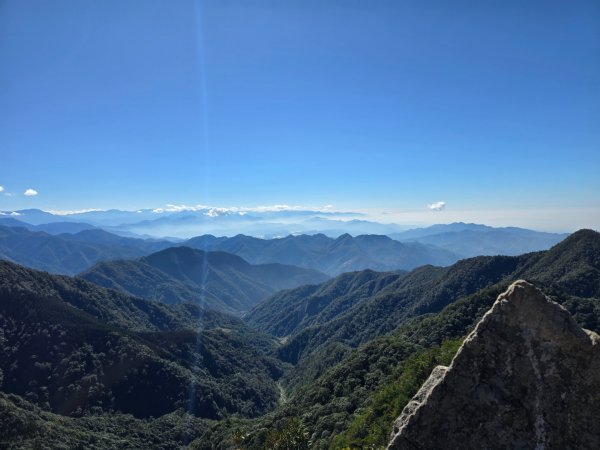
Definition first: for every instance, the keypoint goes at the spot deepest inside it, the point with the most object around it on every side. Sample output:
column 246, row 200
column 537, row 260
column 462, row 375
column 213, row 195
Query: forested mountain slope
column 344, row 392
column 216, row 280
column 294, row 309
column 74, row 348
column 424, row 290
column 354, row 403
column 572, row 264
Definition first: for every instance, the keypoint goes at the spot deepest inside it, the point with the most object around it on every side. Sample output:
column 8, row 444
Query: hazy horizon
column 382, row 108
column 290, row 214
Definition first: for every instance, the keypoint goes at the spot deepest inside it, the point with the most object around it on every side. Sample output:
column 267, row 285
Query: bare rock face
column 527, row 377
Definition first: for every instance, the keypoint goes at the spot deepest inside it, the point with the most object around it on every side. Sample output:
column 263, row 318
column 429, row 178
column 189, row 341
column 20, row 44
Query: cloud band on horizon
column 437, row 206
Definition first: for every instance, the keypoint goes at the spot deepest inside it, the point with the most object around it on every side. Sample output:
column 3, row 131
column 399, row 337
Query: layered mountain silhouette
column 215, row 280
column 332, row 256
column 50, row 228
column 528, row 376
column 71, row 247
column 468, row 239
column 465, row 239
column 70, row 253
column 310, row 317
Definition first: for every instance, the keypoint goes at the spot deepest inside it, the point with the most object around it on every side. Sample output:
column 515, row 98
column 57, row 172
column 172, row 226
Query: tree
column 293, row 436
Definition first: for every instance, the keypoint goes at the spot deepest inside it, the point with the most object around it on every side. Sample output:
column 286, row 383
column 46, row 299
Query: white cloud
column 179, row 208
column 275, row 208
column 1, row 189
column 214, row 210
column 64, row 212
column 30, row 192
column 437, row 206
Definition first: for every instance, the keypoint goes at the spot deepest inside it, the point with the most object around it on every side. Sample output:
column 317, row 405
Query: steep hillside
column 354, row 402
column 109, row 306
column 294, row 309
column 356, row 319
column 338, row 395
column 216, row 280
column 74, row 348
column 571, row 266
column 308, row 323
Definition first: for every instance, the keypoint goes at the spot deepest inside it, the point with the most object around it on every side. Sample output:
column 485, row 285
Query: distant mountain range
column 215, row 280
column 332, row 256
column 468, row 239
column 180, row 223
column 72, row 247
column 186, row 222
column 50, row 228
column 73, row 253
column 70, row 253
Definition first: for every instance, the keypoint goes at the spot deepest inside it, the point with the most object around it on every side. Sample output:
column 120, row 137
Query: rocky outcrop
column 527, row 377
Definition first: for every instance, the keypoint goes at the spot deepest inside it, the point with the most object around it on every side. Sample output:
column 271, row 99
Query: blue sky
column 384, row 106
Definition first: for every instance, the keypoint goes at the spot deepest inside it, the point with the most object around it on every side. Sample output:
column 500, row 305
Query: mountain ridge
column 69, row 253
column 433, row 287
column 216, row 280
column 72, row 347
column 469, row 240
column 332, row 256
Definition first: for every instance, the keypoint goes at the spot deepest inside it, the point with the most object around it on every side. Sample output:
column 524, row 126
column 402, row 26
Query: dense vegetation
column 215, row 280
column 368, row 340
column 371, row 427
column 341, row 395
column 26, row 426
column 74, row 348
column 300, row 308
column 328, row 409
column 310, row 318
column 376, row 305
